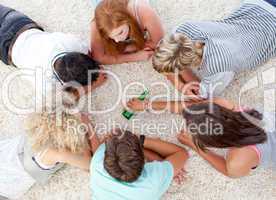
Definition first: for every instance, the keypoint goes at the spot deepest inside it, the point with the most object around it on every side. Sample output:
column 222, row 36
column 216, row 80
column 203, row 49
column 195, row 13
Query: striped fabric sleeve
column 214, row 85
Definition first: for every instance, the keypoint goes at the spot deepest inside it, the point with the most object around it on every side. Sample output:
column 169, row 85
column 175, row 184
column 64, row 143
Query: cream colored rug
column 203, row 182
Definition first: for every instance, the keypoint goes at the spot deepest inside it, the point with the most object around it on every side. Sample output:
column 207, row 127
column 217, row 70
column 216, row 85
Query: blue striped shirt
column 243, row 40
column 268, row 149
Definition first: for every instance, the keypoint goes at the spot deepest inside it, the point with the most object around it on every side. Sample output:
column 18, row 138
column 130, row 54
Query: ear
column 199, row 48
column 70, row 96
column 199, row 45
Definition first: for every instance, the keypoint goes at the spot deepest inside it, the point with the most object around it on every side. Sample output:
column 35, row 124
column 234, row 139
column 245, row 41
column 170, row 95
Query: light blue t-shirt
column 151, row 185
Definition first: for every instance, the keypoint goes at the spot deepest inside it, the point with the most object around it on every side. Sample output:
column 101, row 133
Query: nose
column 117, row 40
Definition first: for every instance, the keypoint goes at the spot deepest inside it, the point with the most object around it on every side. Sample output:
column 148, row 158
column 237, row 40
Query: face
column 102, row 78
column 120, row 34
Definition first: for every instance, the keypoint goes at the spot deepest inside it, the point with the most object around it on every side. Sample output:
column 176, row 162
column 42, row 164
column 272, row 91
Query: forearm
column 163, row 148
column 176, row 81
column 153, row 43
column 176, row 107
column 152, row 156
column 94, row 140
column 224, row 103
column 130, row 48
column 188, row 76
column 119, row 59
column 81, row 161
column 215, row 160
column 94, row 143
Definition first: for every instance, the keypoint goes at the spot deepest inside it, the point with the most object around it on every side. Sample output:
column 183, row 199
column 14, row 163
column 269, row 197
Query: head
column 116, row 26
column 237, row 130
column 124, row 158
column 56, row 129
column 177, row 52
column 78, row 68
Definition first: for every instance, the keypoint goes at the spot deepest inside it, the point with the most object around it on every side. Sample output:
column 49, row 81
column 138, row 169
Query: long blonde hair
column 59, row 130
column 177, row 52
column 111, row 14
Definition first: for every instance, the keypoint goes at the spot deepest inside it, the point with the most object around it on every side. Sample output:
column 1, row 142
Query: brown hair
column 124, row 158
column 177, row 52
column 238, row 130
column 111, row 14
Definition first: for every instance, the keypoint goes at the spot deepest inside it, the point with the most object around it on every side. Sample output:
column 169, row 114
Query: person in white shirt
column 61, row 58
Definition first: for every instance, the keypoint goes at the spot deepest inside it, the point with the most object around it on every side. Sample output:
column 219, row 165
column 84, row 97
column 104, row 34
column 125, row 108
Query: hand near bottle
column 137, row 105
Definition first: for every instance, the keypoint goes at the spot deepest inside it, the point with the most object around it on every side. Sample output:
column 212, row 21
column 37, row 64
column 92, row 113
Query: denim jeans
column 96, row 2
column 11, row 21
column 272, row 2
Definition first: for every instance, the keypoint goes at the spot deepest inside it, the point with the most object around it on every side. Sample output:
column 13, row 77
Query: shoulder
column 159, row 168
column 142, row 4
column 247, row 154
column 60, row 35
column 66, row 38
column 218, row 79
column 190, row 29
column 69, row 42
column 93, row 26
column 160, row 174
column 144, row 9
column 98, row 156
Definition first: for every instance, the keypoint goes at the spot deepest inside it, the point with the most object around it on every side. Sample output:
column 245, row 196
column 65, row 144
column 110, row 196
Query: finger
column 147, row 49
column 151, row 53
column 182, row 132
column 182, row 139
column 131, row 101
column 130, row 104
column 78, row 115
column 181, row 136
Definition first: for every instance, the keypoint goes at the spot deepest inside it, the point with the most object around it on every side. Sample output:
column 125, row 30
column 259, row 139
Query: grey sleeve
column 214, row 85
column 268, row 151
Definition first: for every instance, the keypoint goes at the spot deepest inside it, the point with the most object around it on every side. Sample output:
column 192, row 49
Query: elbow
column 184, row 154
column 99, row 59
column 233, row 175
column 236, row 170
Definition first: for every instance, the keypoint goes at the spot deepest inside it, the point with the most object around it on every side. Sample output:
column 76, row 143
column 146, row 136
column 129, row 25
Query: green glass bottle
column 129, row 114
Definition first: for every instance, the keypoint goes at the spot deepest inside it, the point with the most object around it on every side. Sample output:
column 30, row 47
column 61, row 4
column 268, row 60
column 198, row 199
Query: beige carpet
column 203, row 183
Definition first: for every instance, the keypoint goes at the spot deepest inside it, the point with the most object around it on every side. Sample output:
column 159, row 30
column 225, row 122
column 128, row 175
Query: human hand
column 102, row 78
column 137, row 105
column 180, row 177
column 84, row 117
column 106, row 137
column 186, row 139
column 144, row 54
column 191, row 90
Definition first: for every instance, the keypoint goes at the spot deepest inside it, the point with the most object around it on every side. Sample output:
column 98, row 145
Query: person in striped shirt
column 215, row 50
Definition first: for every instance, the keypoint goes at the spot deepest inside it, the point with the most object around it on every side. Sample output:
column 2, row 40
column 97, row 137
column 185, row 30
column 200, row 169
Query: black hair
column 76, row 67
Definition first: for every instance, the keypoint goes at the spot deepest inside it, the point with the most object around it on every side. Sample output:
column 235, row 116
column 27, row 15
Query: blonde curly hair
column 177, row 52
column 59, row 130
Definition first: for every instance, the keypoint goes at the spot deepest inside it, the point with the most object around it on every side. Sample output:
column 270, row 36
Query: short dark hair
column 124, row 157
column 238, row 130
column 75, row 67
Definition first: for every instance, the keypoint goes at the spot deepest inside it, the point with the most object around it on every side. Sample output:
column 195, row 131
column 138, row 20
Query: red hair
column 109, row 15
